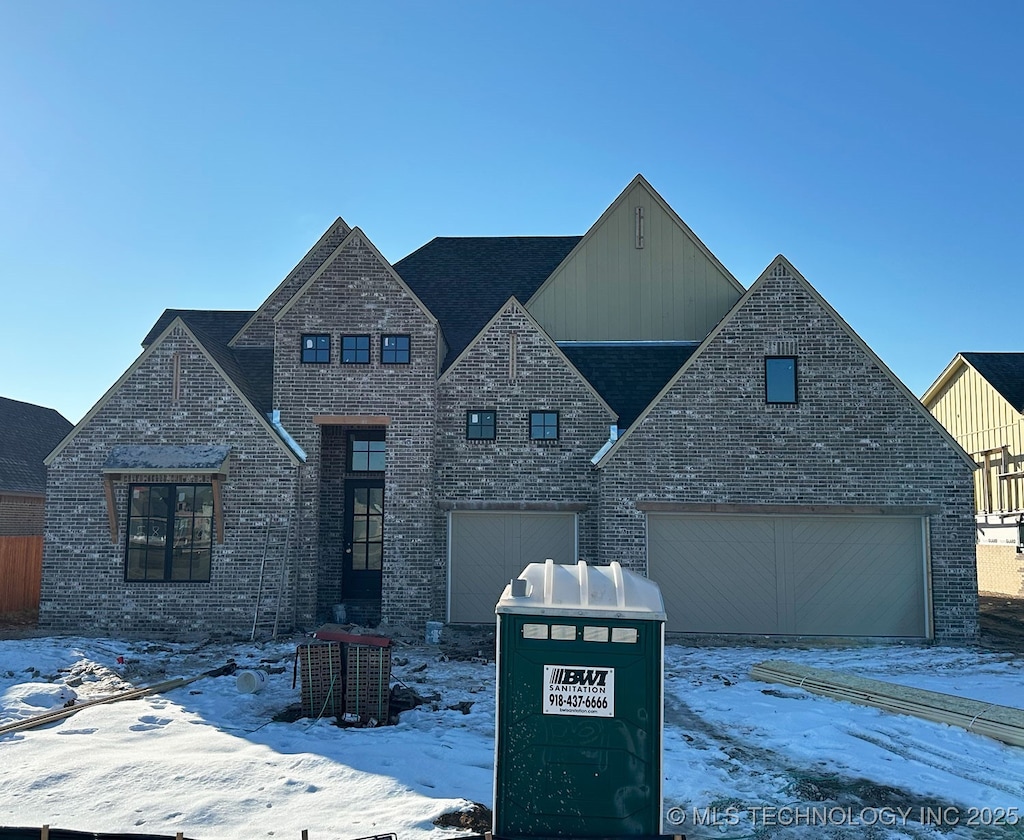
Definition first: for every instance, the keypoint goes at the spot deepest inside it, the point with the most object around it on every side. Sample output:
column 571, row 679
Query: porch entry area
column 351, row 538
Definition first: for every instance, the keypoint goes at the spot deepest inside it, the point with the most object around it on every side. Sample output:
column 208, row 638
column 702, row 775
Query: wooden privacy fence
column 21, row 571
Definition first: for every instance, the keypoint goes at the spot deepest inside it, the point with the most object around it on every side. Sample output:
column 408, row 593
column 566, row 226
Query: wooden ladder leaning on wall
column 273, row 577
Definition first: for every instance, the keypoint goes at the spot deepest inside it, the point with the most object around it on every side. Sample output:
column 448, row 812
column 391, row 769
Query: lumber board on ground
column 1004, row 723
column 54, row 715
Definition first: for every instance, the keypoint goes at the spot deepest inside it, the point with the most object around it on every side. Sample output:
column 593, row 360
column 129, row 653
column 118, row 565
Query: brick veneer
column 83, row 585
column 356, row 294
column 512, row 467
column 853, row 438
column 21, row 515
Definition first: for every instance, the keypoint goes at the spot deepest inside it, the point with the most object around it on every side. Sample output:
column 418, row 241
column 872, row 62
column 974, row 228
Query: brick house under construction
column 402, row 439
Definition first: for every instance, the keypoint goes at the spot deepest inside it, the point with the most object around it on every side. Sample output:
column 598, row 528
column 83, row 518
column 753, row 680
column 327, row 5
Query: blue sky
column 187, row 154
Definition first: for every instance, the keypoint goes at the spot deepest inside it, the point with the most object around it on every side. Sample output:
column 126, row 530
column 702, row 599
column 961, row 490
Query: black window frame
column 407, row 350
column 544, row 424
column 481, row 425
column 768, row 376
column 364, row 436
column 355, row 337
column 141, row 528
column 316, row 337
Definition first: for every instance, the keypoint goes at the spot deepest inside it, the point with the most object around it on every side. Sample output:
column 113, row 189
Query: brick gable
column 513, row 468
column 853, row 438
column 83, row 571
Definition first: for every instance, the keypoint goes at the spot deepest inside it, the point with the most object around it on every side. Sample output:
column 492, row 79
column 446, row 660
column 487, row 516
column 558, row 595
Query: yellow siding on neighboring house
column 609, row 289
column 981, row 420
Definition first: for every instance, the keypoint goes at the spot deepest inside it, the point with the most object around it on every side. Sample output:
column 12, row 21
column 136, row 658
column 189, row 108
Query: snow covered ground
column 741, row 758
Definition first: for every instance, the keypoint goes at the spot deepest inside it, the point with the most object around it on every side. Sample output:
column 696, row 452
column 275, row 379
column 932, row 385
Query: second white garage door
column 488, row 549
column 801, row 575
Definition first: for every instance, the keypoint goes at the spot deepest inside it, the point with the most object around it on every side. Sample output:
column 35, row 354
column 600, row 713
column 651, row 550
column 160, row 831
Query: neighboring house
column 979, row 398
column 402, row 439
column 27, row 434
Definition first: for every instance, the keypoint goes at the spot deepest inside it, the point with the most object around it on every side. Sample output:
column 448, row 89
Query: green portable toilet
column 580, row 660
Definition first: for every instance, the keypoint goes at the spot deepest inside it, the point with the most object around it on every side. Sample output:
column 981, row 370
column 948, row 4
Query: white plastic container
column 433, row 635
column 251, row 682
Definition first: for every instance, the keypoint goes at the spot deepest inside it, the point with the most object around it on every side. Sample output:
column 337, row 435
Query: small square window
column 480, row 425
column 316, row 349
column 544, row 425
column 780, row 379
column 355, row 349
column 367, row 452
column 394, row 349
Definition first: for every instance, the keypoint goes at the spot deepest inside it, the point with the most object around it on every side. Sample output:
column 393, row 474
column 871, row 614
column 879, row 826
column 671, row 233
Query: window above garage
column 780, row 380
column 480, row 425
column 544, row 425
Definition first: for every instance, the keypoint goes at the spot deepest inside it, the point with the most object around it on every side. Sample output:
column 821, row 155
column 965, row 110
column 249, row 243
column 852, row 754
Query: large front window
column 170, row 532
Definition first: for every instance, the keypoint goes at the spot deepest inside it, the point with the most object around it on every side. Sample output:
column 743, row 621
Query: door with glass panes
column 364, row 517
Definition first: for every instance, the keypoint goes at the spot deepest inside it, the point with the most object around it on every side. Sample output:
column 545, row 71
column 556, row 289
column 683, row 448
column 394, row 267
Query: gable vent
column 781, row 347
column 639, row 227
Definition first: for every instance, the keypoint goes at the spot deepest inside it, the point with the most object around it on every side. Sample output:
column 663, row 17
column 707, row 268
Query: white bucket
column 433, row 635
column 251, row 682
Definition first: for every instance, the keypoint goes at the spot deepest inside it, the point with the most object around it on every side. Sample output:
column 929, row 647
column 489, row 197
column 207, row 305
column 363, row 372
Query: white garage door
column 803, row 575
column 488, row 549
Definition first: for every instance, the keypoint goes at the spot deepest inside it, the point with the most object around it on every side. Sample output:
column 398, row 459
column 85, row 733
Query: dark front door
column 364, row 539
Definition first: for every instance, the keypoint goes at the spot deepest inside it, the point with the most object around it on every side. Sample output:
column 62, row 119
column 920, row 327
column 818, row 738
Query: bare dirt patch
column 1002, row 628
column 1002, row 622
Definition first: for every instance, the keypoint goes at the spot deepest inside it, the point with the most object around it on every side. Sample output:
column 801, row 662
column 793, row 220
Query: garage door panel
column 715, row 577
column 857, row 576
column 490, row 548
column 541, row 537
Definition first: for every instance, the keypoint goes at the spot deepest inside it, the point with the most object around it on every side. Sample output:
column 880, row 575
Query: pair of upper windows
column 482, row 425
column 355, row 349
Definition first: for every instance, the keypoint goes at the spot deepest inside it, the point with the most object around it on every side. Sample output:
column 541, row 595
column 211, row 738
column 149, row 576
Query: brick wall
column 1000, row 569
column 83, row 587
column 513, row 467
column 356, row 294
column 852, row 439
column 21, row 515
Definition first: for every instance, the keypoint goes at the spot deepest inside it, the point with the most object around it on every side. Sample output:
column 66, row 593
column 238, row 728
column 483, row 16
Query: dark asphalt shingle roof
column 251, row 369
column 220, row 325
column 628, row 376
column 1004, row 372
column 463, row 281
column 27, row 435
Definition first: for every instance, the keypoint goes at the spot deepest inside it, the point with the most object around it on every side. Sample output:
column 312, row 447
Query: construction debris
column 54, row 715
